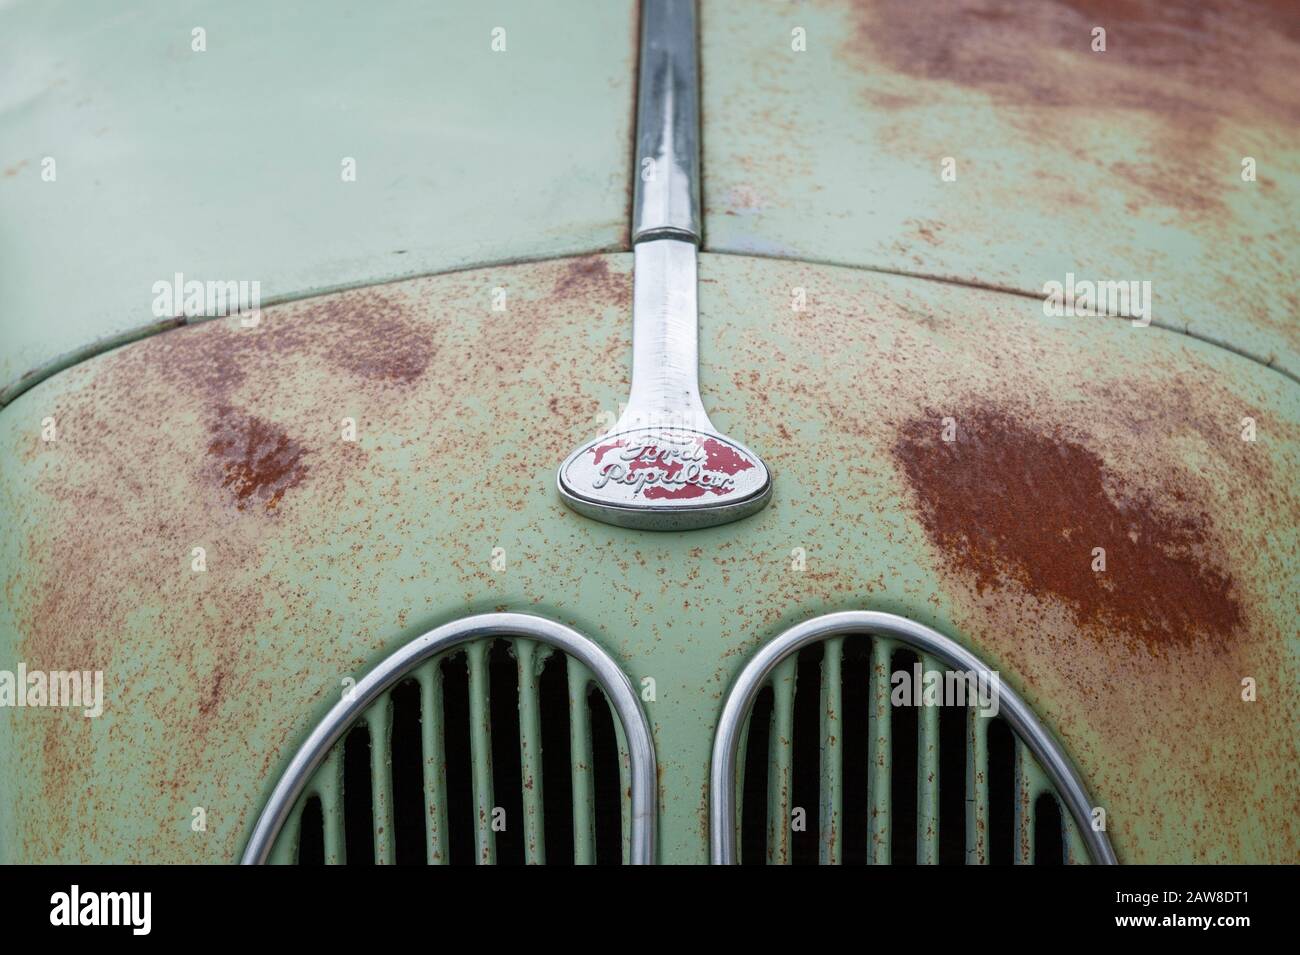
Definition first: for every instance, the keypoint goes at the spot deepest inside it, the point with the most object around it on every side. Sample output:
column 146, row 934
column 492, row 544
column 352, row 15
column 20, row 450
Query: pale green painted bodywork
column 228, row 163
column 213, row 679
column 467, row 157
column 1116, row 166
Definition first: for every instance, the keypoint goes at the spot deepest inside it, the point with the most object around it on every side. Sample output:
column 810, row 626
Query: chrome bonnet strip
column 664, row 466
column 667, row 198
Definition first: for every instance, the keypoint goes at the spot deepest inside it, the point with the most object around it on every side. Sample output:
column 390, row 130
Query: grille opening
column 855, row 727
column 952, row 785
column 608, row 807
column 753, row 815
column 507, row 775
column 806, row 747
column 358, row 816
column 495, row 750
column 408, row 776
column 903, row 779
column 1002, row 793
column 459, row 779
column 907, row 777
column 557, row 779
column 1049, row 836
column 311, row 844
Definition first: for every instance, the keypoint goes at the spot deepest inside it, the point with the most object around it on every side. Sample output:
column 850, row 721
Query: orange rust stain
column 225, row 426
column 1172, row 75
column 257, row 459
column 1006, row 503
column 1184, row 58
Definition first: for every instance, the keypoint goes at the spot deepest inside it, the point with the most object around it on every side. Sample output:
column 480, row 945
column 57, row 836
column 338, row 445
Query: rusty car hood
column 326, row 555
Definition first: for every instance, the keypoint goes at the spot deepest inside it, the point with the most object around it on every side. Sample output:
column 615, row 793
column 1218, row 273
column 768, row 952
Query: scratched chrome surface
column 1117, row 165
column 324, row 556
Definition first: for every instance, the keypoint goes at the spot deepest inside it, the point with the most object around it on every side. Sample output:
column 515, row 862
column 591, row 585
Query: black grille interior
column 855, row 730
column 407, row 757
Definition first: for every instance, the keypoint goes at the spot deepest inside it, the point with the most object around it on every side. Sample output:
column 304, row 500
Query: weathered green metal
column 377, row 720
column 324, row 555
column 480, row 752
column 580, row 757
column 1125, row 164
column 977, row 789
column 429, row 677
column 780, row 758
column 879, row 755
column 927, row 763
column 226, row 164
column 1031, row 782
column 530, row 746
column 872, row 699
column 832, row 776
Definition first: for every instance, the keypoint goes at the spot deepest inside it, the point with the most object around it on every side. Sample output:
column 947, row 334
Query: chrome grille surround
column 367, row 702
column 889, row 630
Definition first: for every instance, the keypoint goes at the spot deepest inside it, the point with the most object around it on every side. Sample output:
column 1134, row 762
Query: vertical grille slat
column 429, row 677
column 977, row 788
column 1031, row 782
column 924, row 776
column 328, row 786
column 879, row 758
column 781, row 760
column 1076, row 852
column 584, row 796
column 379, row 719
column 927, row 777
column 832, row 756
column 530, row 750
column 480, row 750
column 498, row 738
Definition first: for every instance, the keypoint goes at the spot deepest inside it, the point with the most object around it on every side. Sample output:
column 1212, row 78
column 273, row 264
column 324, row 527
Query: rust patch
column 1179, row 57
column 374, row 338
column 590, row 276
column 1180, row 69
column 367, row 333
column 199, row 437
column 1006, row 503
column 257, row 459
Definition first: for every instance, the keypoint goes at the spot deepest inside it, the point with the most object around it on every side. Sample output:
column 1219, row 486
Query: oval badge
column 664, row 479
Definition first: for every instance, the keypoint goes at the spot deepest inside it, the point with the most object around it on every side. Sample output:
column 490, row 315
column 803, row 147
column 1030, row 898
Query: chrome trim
column 667, row 204
column 665, row 339
column 740, row 701
column 617, row 687
column 664, row 409
column 664, row 466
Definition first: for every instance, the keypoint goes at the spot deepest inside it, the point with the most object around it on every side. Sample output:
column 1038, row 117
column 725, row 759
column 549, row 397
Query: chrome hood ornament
column 663, row 466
